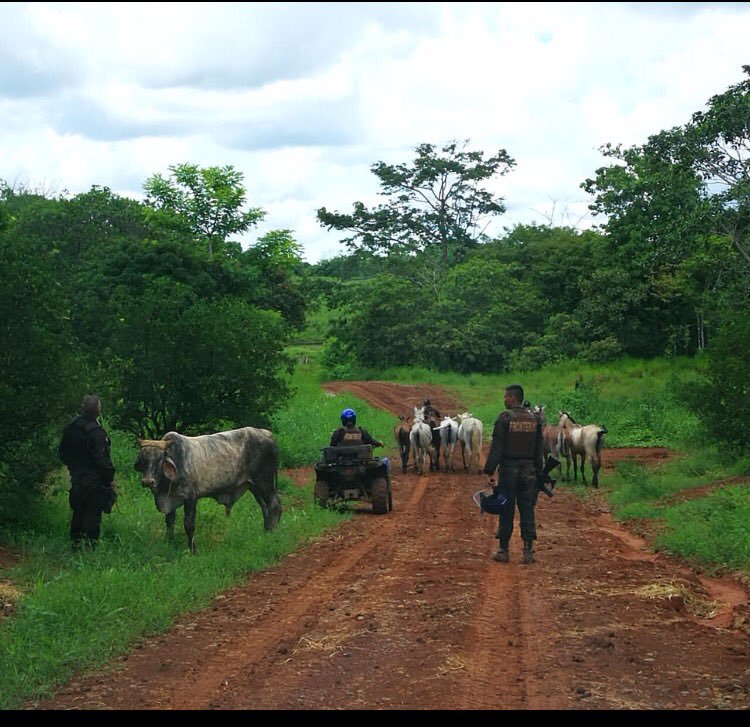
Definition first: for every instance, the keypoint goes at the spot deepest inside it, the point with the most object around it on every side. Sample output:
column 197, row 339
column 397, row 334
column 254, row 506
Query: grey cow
column 180, row 470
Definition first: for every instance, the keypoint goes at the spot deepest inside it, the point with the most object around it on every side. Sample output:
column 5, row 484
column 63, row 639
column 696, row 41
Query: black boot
column 528, row 554
column 502, row 555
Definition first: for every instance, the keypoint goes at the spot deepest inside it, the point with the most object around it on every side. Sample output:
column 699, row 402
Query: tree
column 550, row 258
column 377, row 326
column 217, row 364
column 722, row 396
column 209, row 200
column 660, row 218
column 276, row 260
column 40, row 375
column 436, row 202
column 718, row 140
column 483, row 312
column 142, row 310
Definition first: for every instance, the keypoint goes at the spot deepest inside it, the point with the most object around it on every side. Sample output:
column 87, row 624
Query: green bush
column 722, row 397
column 606, row 349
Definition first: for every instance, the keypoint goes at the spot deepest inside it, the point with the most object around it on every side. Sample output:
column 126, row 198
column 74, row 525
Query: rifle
column 544, row 479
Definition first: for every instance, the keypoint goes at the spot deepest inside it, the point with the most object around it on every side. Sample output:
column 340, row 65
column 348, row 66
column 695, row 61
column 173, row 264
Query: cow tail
column 599, row 439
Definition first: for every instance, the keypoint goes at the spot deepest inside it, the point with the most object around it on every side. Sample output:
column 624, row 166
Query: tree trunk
column 700, row 330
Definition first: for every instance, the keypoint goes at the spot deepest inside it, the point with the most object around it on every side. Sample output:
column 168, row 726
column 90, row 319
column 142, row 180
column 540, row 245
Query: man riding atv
column 349, row 471
column 430, row 410
column 349, row 433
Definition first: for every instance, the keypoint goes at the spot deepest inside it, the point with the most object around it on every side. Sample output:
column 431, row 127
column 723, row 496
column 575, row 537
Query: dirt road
column 408, row 611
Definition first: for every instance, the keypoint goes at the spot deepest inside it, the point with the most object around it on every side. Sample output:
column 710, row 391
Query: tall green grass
column 637, row 400
column 711, row 529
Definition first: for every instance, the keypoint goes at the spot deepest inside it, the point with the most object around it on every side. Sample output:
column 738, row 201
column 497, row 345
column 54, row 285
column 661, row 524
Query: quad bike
column 352, row 473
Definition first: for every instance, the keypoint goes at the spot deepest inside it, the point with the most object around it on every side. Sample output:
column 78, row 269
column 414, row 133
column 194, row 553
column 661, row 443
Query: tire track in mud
column 313, row 598
column 408, row 611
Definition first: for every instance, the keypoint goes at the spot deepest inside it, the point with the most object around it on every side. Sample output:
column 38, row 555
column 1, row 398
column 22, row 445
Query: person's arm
column 496, row 449
column 336, row 438
column 99, row 450
column 367, row 439
column 539, row 449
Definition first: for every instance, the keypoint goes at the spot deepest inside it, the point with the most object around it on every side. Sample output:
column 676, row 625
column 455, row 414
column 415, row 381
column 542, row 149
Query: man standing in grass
column 85, row 449
column 518, row 449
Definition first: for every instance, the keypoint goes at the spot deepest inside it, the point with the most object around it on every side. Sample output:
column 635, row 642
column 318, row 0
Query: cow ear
column 170, row 469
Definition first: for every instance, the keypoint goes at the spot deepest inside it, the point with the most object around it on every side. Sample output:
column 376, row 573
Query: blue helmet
column 348, row 415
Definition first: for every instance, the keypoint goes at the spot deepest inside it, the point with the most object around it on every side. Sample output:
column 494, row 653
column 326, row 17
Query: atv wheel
column 320, row 493
column 380, row 496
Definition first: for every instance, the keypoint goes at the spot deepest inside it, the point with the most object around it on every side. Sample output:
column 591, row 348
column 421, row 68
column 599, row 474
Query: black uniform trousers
column 87, row 504
column 518, row 483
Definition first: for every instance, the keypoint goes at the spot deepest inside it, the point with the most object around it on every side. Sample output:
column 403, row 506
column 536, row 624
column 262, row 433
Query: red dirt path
column 408, row 611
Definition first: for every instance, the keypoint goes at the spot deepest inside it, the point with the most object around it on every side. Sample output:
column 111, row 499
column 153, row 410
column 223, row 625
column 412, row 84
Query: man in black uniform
column 350, row 434
column 85, row 449
column 518, row 449
column 428, row 410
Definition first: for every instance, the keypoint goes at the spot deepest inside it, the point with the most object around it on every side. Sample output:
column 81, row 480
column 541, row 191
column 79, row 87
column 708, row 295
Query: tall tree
column 438, row 201
column 40, row 371
column 660, row 222
column 209, row 199
column 718, row 140
column 276, row 259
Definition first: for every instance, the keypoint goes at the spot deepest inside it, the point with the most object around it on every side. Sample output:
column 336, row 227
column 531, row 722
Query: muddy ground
column 407, row 610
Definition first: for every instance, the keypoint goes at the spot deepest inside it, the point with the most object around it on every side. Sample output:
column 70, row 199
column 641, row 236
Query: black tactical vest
column 74, row 451
column 351, row 436
column 520, row 439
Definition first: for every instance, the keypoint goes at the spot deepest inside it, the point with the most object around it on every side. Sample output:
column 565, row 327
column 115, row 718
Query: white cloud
column 303, row 98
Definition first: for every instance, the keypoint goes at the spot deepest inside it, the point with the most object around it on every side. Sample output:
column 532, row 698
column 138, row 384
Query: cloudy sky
column 303, row 98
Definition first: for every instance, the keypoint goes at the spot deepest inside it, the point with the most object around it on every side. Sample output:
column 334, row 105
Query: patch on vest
column 521, row 425
column 352, row 435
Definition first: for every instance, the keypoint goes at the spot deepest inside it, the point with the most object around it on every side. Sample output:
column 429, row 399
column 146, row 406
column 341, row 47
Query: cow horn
column 158, row 443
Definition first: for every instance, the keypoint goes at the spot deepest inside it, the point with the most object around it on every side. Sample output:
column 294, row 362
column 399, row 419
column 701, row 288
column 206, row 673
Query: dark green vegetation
column 173, row 324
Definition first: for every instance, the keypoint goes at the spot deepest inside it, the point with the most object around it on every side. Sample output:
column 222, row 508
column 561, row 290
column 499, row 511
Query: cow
column 180, row 470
